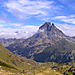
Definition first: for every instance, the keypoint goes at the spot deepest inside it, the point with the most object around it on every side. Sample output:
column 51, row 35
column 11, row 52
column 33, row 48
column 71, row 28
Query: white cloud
column 29, row 30
column 2, row 21
column 23, row 32
column 24, row 8
column 1, row 25
column 66, row 19
column 46, row 19
column 7, row 24
column 72, row 21
column 15, row 24
column 72, row 16
column 60, row 17
column 69, row 30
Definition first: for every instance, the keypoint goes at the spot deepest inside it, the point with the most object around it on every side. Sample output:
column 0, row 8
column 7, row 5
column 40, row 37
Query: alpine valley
column 49, row 44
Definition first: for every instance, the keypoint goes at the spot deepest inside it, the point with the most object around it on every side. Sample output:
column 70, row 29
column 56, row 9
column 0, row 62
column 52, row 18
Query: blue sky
column 27, row 15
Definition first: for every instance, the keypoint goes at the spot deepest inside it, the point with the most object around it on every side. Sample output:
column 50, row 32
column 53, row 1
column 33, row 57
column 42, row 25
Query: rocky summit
column 49, row 44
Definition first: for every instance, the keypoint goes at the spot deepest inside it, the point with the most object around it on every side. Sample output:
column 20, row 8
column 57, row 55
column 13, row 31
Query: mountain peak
column 51, row 30
column 47, row 26
column 53, row 24
column 49, row 23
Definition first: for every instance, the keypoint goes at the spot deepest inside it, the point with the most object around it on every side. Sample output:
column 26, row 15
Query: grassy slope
column 12, row 62
column 49, row 72
column 44, row 72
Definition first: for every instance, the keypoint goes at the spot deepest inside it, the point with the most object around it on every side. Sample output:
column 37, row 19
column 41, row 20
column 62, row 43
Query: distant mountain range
column 49, row 44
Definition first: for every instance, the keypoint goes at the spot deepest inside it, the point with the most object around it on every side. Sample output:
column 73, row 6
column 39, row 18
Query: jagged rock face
column 48, row 44
column 46, row 26
column 47, row 33
column 51, row 29
column 73, row 37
